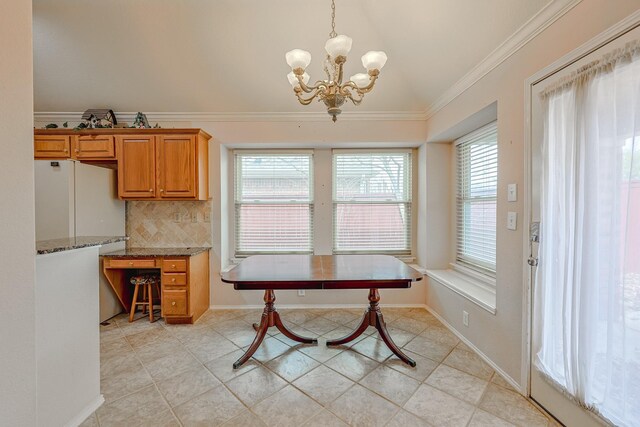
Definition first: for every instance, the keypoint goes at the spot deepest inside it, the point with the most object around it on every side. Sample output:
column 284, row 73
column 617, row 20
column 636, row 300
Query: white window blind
column 372, row 202
column 273, row 202
column 477, row 173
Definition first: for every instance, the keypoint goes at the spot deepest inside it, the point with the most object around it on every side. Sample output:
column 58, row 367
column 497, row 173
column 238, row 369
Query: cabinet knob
column 131, row 263
column 173, row 266
column 77, row 151
column 161, row 190
column 151, row 190
column 65, row 150
column 173, row 279
column 173, row 303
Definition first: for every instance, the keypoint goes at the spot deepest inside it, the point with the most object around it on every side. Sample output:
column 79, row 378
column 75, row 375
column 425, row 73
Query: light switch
column 512, row 220
column 512, row 192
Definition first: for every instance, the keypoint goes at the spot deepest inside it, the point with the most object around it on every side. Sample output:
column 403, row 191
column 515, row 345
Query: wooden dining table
column 330, row 272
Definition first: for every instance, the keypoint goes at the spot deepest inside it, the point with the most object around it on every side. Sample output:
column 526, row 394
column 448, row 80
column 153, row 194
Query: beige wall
column 321, row 135
column 17, row 224
column 501, row 336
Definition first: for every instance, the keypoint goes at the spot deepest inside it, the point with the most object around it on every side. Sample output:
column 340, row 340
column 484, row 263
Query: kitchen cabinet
column 184, row 276
column 177, row 173
column 153, row 164
column 79, row 147
column 178, row 170
column 94, row 147
column 55, row 147
column 136, row 166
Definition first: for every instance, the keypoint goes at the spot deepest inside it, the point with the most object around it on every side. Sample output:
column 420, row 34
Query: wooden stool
column 148, row 282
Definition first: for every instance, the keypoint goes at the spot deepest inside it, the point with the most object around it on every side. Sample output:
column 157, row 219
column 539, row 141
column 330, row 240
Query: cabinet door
column 177, row 166
column 136, row 167
column 94, row 147
column 52, row 146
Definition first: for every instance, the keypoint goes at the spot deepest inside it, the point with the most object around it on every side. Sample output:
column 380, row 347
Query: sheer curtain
column 588, row 280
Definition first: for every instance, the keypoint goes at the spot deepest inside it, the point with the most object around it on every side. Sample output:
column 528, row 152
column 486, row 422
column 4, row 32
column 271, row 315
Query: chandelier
column 332, row 91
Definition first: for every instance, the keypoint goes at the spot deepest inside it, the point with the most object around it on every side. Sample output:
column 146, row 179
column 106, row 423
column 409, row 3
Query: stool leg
column 134, row 303
column 144, row 298
column 150, row 302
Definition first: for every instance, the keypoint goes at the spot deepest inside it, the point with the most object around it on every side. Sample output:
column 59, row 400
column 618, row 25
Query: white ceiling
column 228, row 55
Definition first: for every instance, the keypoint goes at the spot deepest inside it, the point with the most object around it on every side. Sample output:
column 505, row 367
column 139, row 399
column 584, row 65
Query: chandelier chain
column 333, row 33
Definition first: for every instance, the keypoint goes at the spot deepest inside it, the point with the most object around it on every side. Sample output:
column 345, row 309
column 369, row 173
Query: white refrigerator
column 75, row 199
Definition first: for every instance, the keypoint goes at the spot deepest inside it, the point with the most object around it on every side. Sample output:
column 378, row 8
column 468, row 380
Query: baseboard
column 483, row 356
column 303, row 306
column 86, row 412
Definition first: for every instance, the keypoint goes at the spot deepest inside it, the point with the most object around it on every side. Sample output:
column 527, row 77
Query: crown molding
column 523, row 35
column 48, row 116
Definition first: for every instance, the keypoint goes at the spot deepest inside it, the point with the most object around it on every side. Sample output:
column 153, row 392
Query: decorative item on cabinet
column 99, row 118
column 141, row 122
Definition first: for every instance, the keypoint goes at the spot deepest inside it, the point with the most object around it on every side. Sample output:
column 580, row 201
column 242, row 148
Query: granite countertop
column 69, row 243
column 154, row 252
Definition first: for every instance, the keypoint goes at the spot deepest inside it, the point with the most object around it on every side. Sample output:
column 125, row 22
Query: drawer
column 94, row 147
column 174, row 302
column 174, row 265
column 132, row 263
column 169, row 279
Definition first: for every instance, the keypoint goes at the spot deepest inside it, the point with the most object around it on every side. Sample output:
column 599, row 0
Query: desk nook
column 184, row 279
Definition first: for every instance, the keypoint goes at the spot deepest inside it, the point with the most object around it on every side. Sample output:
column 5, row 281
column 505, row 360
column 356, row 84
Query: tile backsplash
column 168, row 224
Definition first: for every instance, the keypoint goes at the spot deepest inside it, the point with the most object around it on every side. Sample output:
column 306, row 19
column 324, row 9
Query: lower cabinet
column 184, row 282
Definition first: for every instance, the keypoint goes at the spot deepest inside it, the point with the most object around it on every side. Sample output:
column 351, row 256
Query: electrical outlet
column 465, row 318
column 300, row 292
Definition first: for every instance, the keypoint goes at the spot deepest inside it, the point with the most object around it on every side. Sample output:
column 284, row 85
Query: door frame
column 629, row 23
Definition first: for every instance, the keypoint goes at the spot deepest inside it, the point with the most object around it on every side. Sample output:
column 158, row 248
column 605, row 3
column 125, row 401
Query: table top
column 321, row 272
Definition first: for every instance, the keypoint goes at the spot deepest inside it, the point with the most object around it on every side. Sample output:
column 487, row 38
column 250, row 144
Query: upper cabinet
column 94, row 147
column 153, row 164
column 177, row 169
column 136, row 167
column 52, row 146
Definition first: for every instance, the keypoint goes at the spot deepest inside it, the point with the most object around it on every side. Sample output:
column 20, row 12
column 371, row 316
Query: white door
column 541, row 390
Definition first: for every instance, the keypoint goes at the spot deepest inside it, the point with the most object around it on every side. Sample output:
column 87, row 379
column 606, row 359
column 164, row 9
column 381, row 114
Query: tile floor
column 164, row 375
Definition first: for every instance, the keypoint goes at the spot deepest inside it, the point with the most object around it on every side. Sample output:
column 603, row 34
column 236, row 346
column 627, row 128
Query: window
column 476, row 195
column 372, row 201
column 273, row 202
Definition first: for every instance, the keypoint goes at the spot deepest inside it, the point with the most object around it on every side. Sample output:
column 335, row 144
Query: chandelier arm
column 368, row 87
column 308, row 89
column 306, row 101
column 344, row 91
column 339, row 72
column 344, row 88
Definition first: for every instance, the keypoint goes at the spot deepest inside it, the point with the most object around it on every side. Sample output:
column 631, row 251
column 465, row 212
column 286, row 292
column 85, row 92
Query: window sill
column 474, row 290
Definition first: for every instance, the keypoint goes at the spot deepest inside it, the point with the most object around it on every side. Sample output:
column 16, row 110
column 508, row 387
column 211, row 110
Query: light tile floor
column 155, row 374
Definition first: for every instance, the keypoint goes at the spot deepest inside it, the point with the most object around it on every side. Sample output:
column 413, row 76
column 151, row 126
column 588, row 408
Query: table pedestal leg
column 373, row 317
column 270, row 317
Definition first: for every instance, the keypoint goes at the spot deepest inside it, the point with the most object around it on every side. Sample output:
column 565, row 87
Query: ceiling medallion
column 332, row 91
